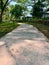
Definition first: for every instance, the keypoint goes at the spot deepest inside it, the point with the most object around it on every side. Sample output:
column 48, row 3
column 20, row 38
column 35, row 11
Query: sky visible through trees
column 29, row 7
column 26, row 3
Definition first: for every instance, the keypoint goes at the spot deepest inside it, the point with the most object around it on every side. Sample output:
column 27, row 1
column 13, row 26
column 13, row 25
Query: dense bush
column 44, row 21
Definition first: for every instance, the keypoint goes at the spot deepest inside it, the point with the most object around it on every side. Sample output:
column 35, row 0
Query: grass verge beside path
column 43, row 28
column 6, row 27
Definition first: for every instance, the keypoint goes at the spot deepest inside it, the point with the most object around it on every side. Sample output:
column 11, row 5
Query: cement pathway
column 24, row 46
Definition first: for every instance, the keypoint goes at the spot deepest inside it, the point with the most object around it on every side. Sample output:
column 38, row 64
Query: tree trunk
column 1, row 3
column 0, row 17
column 3, row 6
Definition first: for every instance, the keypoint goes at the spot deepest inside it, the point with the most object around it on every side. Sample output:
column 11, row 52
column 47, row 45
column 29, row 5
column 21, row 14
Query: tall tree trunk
column 0, row 18
column 3, row 6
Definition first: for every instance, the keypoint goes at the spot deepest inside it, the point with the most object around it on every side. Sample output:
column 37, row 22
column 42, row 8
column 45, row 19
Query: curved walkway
column 24, row 46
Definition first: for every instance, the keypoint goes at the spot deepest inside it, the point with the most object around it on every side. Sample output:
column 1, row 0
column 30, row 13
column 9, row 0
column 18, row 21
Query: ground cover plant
column 6, row 27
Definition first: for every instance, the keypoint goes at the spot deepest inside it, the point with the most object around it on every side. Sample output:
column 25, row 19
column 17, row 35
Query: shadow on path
column 24, row 46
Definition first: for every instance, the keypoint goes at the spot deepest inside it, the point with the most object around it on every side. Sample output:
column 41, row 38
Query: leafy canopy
column 17, row 10
column 37, row 10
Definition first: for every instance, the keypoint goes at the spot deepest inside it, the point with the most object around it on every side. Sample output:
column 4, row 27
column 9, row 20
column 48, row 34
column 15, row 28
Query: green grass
column 6, row 27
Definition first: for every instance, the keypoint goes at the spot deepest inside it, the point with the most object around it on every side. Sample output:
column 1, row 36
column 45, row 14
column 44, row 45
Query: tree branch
column 5, row 5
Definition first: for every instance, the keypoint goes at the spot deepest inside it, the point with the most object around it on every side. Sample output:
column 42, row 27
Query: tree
column 6, row 15
column 37, row 10
column 4, row 3
column 17, row 11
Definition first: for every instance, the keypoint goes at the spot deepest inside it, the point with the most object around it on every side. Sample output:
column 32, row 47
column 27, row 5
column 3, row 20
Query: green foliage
column 6, row 27
column 6, row 15
column 22, row 1
column 17, row 11
column 42, row 0
column 38, row 9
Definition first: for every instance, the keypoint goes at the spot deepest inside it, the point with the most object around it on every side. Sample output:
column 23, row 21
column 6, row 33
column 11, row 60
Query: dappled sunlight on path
column 24, row 46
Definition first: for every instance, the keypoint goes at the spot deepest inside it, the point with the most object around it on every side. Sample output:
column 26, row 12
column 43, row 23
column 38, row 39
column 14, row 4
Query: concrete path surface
column 24, row 46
